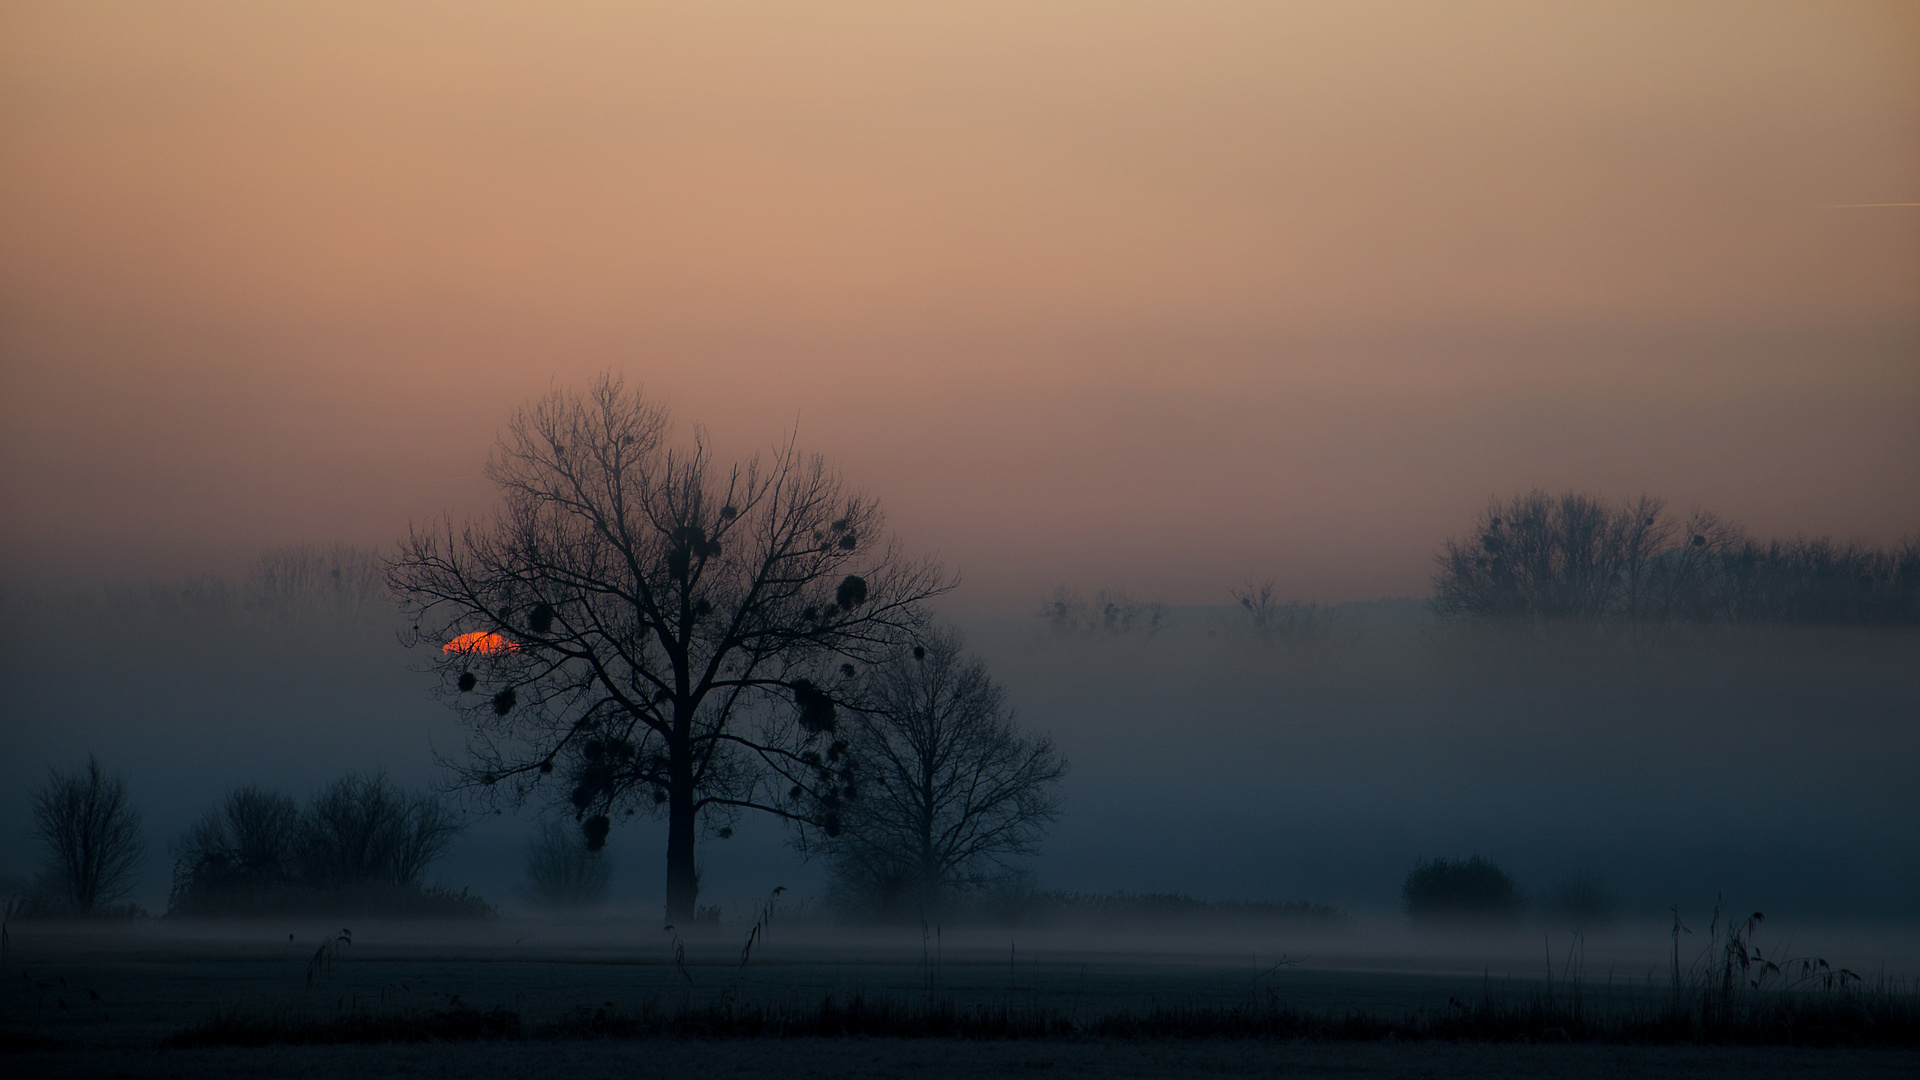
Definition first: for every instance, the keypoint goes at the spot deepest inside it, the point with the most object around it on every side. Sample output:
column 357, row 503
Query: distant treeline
column 1109, row 612
column 291, row 579
column 1538, row 557
column 361, row 846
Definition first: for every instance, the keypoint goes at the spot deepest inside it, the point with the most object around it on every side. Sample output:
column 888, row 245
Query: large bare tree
column 640, row 629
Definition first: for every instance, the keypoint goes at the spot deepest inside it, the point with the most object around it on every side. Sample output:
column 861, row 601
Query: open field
column 933, row 1059
column 507, row 997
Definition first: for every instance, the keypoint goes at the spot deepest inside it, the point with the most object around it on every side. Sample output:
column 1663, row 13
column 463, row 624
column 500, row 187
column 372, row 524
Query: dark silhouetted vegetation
column 1275, row 621
column 1471, row 890
column 668, row 636
column 1109, row 613
column 948, row 790
column 1538, row 557
column 362, row 846
column 90, row 843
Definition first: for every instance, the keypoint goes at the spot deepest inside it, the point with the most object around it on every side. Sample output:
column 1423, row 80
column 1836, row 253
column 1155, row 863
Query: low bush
column 1456, row 891
column 361, row 847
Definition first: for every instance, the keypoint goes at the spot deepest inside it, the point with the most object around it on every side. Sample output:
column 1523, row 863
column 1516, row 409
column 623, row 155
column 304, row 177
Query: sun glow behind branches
column 481, row 643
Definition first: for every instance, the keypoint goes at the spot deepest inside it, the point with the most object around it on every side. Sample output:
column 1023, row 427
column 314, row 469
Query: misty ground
column 1766, row 767
column 96, row 1000
column 1677, row 765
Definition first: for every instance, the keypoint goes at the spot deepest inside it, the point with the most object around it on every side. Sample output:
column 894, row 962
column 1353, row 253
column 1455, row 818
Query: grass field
column 175, row 998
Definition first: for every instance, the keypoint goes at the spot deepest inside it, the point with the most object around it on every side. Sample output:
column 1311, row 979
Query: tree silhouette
column 1472, row 889
column 672, row 636
column 1536, row 558
column 948, row 788
column 91, row 837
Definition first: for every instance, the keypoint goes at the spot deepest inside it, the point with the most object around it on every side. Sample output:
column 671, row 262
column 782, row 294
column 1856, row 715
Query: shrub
column 362, row 846
column 90, row 835
column 362, row 829
column 1460, row 890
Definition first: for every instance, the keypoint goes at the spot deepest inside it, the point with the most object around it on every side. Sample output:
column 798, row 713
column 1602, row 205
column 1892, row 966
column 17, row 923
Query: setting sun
column 481, row 642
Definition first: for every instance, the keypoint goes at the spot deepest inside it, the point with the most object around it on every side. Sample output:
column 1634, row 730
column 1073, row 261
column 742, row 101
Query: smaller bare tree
column 947, row 789
column 251, row 836
column 90, row 833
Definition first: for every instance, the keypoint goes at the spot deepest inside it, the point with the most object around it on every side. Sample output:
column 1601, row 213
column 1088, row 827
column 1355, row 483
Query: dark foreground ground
column 933, row 1059
column 171, row 999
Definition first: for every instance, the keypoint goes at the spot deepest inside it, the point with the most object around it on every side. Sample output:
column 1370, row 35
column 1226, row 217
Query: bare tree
column 1537, row 556
column 655, row 632
column 362, row 829
column 253, row 836
column 949, row 790
column 91, row 837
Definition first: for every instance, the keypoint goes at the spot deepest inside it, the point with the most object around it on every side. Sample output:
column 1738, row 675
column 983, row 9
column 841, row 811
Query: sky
column 1156, row 297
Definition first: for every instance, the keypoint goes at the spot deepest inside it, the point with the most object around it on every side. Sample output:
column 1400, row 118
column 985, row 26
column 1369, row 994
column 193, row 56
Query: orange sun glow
column 479, row 641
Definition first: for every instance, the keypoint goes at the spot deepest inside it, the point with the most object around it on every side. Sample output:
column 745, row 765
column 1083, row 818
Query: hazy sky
column 1150, row 296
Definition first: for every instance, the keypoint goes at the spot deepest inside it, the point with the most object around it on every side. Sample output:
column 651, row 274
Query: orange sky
column 1159, row 297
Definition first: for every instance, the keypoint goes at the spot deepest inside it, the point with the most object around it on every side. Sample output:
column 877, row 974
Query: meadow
column 300, row 997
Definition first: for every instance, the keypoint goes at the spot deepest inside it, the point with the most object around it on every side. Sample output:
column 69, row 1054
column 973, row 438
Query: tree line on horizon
column 1537, row 557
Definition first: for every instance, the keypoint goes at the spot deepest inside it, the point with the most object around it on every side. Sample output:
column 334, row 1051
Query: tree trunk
column 683, row 884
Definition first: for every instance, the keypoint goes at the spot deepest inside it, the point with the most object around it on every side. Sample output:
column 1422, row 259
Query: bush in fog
column 1460, row 890
column 1538, row 557
column 1112, row 613
column 562, row 872
column 1582, row 901
column 362, row 829
column 947, row 789
column 250, row 838
column 361, row 844
column 90, row 840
